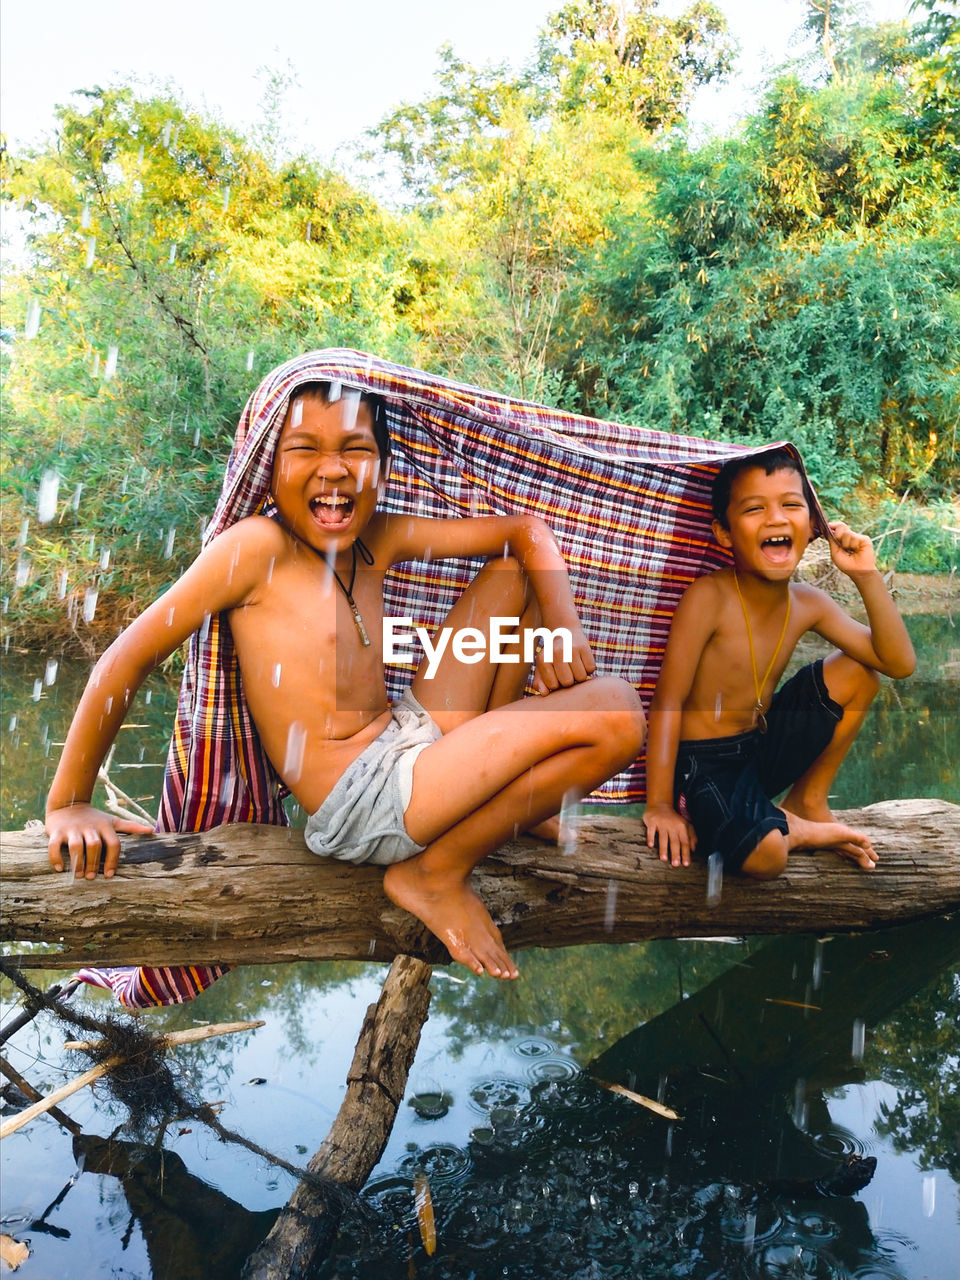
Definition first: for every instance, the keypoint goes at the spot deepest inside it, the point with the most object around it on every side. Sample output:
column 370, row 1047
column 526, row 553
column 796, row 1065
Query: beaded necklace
column 759, row 719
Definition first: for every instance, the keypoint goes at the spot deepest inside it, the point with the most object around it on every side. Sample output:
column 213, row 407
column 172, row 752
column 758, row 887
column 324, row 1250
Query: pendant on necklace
column 759, row 719
column 361, row 629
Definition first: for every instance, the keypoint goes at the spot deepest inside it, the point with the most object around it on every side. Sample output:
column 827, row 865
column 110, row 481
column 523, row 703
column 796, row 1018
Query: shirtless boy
column 721, row 745
column 427, row 788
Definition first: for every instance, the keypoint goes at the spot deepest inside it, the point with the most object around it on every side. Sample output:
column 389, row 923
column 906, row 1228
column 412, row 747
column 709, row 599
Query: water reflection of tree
column 918, row 1052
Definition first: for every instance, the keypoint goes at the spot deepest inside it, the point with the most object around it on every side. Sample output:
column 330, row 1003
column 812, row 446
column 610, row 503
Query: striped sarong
column 629, row 506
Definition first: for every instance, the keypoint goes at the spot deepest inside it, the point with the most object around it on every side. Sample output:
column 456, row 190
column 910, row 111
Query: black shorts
column 724, row 786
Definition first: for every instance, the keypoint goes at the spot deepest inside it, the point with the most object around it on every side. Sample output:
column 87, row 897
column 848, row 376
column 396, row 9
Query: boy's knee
column 625, row 727
column 769, row 858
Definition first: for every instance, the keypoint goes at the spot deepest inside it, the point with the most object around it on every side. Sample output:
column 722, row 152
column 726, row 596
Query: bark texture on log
column 254, row 894
column 304, row 1231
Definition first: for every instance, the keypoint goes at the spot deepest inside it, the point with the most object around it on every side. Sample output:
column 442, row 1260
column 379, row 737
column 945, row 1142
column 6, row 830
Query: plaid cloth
column 629, row 506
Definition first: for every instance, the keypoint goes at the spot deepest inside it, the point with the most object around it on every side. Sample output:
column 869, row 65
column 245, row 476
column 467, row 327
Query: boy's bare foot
column 843, row 840
column 453, row 911
column 548, row 829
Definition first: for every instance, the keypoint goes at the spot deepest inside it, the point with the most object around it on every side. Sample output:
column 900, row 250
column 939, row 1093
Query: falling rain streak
column 296, row 745
column 90, row 603
column 31, row 325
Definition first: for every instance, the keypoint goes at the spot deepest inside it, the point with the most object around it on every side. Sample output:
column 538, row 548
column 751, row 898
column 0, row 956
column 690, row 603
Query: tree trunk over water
column 254, row 894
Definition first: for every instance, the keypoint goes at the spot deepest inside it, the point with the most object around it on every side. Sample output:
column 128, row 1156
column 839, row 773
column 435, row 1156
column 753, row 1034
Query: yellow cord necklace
column 759, row 719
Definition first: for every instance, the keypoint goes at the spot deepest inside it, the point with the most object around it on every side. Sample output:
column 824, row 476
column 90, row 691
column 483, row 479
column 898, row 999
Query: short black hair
column 770, row 460
column 376, row 404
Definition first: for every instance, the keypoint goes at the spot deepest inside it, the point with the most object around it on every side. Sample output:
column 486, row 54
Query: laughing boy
column 722, row 745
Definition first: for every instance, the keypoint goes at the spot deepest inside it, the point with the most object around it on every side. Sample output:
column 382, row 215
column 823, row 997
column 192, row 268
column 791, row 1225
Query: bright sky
column 354, row 61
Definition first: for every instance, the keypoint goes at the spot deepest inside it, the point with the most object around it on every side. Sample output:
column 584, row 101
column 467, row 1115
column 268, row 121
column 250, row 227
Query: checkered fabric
column 629, row 506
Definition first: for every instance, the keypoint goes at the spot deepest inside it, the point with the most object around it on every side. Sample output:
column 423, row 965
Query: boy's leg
column 458, row 691
column 853, row 687
column 492, row 776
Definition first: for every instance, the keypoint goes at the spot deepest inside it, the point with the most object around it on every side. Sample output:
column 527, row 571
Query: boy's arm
column 532, row 543
column 884, row 643
column 222, row 577
column 693, row 624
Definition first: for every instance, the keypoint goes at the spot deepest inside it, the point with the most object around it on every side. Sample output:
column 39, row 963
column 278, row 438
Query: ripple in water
column 499, row 1093
column 444, row 1165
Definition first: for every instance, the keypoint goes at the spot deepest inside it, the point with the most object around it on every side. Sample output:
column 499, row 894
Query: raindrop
column 75, row 500
column 24, row 531
column 123, row 486
column 293, row 760
column 372, row 946
column 249, row 361
column 95, row 367
column 714, row 878
column 91, row 243
column 718, row 706
column 85, row 216
column 50, row 672
column 362, row 475
column 276, row 675
column 859, row 1039
column 270, row 567
column 173, row 254
column 309, row 232
column 336, row 389
column 168, row 545
column 148, row 697
column 37, row 690
column 140, row 154
column 104, row 559
column 226, row 198
column 31, row 325
column 800, row 1103
column 22, row 572
column 167, row 131
column 567, row 836
column 929, row 1194
column 90, row 603
column 62, row 578
column 171, row 614
column 610, row 907
column 375, row 474
column 296, row 412
column 93, row 543
column 474, row 503
column 110, row 368
column 204, row 630
column 12, row 725
column 196, row 436
column 817, row 964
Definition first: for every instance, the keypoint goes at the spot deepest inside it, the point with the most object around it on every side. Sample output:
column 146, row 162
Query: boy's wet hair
column 770, row 460
column 376, row 404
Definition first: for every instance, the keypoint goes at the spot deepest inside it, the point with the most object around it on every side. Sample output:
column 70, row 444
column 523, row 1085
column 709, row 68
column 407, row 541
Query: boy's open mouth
column 333, row 510
column 779, row 548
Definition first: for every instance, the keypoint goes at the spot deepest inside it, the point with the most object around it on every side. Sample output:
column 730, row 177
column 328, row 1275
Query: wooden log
column 255, row 894
column 302, row 1235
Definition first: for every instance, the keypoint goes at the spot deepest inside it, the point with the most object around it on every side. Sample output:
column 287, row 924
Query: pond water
column 782, row 1056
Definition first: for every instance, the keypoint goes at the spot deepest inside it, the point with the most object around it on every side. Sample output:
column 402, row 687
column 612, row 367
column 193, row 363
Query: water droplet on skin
column 47, row 496
column 296, row 412
column 293, row 759
column 168, row 545
column 714, row 878
column 50, row 672
column 249, row 361
column 110, row 368
column 37, row 690
column 170, row 615
column 31, row 325
column 108, row 705
column 276, row 675
column 610, row 906
column 858, row 1040
column 91, row 243
column 90, row 603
